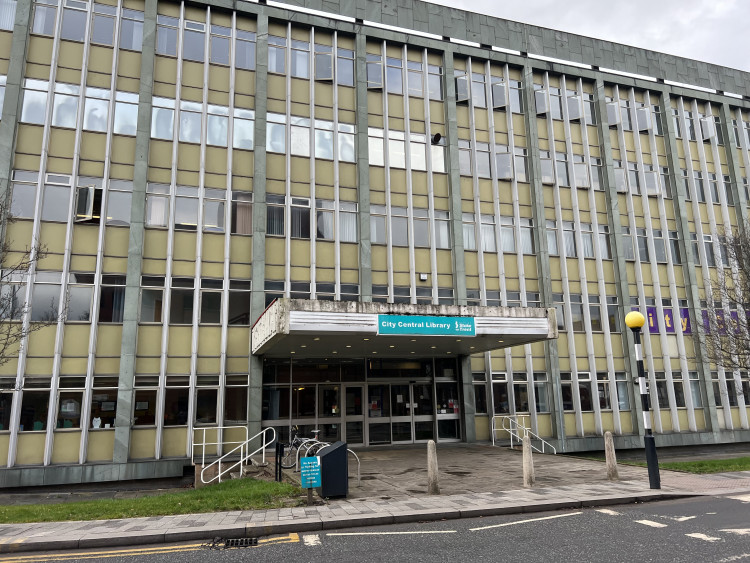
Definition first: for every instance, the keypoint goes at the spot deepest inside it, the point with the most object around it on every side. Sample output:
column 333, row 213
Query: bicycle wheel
column 289, row 459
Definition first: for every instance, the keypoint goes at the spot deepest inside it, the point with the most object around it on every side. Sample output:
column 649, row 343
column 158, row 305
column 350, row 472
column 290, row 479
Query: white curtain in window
column 348, row 227
column 157, row 211
column 7, row 14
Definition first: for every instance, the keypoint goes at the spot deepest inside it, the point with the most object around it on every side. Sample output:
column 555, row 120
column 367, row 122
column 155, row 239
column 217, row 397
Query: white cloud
column 705, row 30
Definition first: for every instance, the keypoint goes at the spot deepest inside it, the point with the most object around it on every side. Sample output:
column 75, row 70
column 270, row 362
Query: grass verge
column 239, row 494
column 709, row 465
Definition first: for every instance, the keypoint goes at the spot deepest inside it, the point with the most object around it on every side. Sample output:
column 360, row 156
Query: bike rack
column 310, row 443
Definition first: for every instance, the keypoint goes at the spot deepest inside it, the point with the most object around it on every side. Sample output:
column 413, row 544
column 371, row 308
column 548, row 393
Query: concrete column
column 467, row 391
column 730, row 144
column 454, row 177
column 363, row 170
column 258, row 303
column 551, row 354
column 618, row 253
column 124, row 421
column 11, row 109
column 688, row 264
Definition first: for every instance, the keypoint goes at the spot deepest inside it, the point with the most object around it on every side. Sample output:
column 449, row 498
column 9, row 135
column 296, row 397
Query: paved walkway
column 475, row 481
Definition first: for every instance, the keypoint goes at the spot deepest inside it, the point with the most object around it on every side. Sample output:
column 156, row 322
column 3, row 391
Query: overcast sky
column 714, row 31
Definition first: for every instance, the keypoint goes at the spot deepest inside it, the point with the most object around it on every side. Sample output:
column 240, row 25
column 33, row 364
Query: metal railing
column 316, row 446
column 267, row 436
column 199, row 440
column 517, row 430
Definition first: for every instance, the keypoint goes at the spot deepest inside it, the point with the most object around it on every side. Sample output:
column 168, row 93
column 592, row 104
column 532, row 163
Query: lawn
column 239, row 494
column 709, row 465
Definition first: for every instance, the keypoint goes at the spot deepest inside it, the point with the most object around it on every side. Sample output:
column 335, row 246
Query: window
column 547, row 170
column 166, row 35
column 210, row 301
column 217, row 122
column 576, row 313
column 88, row 200
column 625, row 115
column 541, row 392
column 396, row 150
column 96, row 110
column 80, row 291
column 323, row 139
column 569, row 239
column 242, row 213
column 190, row 122
column 526, row 231
column 503, row 163
column 162, row 118
column 103, row 24
column 470, row 241
column 276, row 54
column 393, row 75
column 131, row 30
column 500, row 400
column 478, row 93
column 378, row 224
column 435, row 82
column 126, row 113
column 56, row 198
column 589, row 109
column 634, row 180
column 399, row 226
column 679, row 391
column 275, row 211
column 642, row 245
column 193, row 41
column 181, row 304
column 487, row 233
column 581, row 172
column 520, row 160
column 7, row 18
column 662, row 394
column 176, row 400
column 552, row 237
column 45, row 15
column 597, row 179
column 276, row 133
column 414, row 78
column 112, row 299
column 621, row 183
column 23, row 202
column 595, row 313
column 13, row 296
column 605, row 248
column 74, row 18
column 613, row 314
column 566, row 388
column 239, row 302
column 656, row 120
column 674, row 247
column 584, row 391
column 345, row 67
column 34, row 407
column 300, row 218
column 627, row 243
column 244, row 129
column 559, row 303
column 555, row 103
column 157, row 205
column 152, row 299
column 220, row 39
column 300, row 59
column 660, row 248
column 421, row 227
column 521, row 392
column 3, row 78
column 186, row 208
column 480, row 392
column 65, row 106
column 45, row 297
column 442, row 229
column 602, row 388
column 587, row 240
column 695, row 389
column 323, row 62
column 623, row 399
column 213, row 210
column 244, row 49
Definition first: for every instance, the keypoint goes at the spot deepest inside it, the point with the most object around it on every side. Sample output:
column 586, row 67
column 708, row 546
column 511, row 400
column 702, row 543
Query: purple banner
column 668, row 319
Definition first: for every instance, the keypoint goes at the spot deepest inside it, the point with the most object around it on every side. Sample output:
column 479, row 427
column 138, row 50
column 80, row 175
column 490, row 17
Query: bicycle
column 310, row 446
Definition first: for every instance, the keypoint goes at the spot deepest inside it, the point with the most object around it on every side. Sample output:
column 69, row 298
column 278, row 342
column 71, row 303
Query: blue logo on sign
column 430, row 326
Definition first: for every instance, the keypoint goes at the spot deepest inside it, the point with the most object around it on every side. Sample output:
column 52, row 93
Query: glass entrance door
column 401, row 417
column 354, row 419
column 412, row 413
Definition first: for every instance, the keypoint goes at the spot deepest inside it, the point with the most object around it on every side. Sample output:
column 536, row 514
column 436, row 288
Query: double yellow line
column 290, row 538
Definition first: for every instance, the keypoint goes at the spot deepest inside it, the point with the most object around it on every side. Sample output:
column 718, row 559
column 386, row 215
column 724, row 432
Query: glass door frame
column 347, row 418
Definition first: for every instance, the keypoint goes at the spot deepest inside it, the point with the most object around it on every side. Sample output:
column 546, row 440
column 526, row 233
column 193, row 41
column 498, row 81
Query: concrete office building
column 453, row 213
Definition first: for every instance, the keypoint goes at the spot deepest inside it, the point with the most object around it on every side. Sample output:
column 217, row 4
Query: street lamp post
column 635, row 320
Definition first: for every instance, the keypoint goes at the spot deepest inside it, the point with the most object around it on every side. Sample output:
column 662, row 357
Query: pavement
column 475, row 480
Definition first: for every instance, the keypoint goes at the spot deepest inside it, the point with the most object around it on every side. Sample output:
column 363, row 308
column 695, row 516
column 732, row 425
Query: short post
column 635, row 320
column 609, row 453
column 433, row 481
column 528, row 463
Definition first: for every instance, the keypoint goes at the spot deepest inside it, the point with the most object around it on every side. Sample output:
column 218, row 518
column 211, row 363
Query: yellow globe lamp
column 634, row 320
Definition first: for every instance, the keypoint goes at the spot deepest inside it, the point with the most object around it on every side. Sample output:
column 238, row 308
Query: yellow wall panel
column 109, row 340
column 101, row 445
column 66, row 447
column 142, row 443
column 30, row 448
column 209, row 340
column 174, row 442
column 184, row 246
column 149, row 340
column 4, row 442
column 179, row 340
column 76, row 340
column 238, row 340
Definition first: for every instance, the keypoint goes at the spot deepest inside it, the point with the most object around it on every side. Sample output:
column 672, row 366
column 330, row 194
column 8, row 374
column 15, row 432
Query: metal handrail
column 511, row 425
column 244, row 454
column 203, row 443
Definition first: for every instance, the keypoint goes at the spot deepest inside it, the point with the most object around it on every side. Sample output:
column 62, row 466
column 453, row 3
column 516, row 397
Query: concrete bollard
column 609, row 453
column 433, row 481
column 528, row 464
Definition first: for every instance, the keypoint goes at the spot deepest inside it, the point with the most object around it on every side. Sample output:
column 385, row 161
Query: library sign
column 426, row 326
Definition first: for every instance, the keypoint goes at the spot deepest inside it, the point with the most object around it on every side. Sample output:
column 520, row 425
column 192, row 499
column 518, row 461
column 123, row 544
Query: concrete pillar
column 611, row 457
column 129, row 341
column 528, row 463
column 433, row 480
column 468, row 410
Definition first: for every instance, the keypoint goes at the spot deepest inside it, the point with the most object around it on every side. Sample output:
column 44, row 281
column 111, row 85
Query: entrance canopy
column 302, row 328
